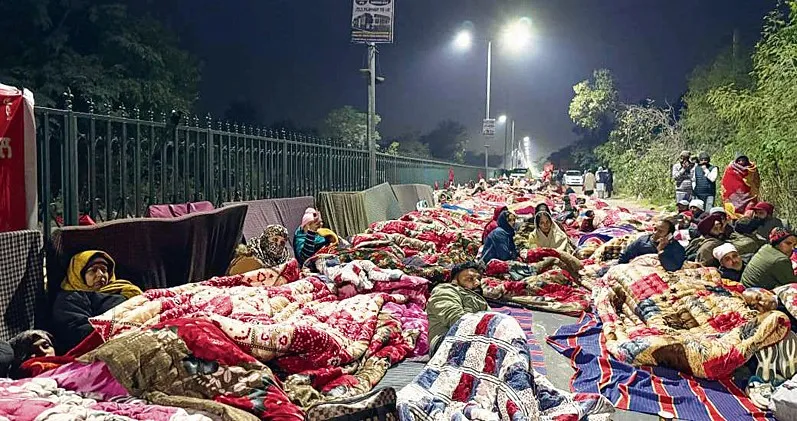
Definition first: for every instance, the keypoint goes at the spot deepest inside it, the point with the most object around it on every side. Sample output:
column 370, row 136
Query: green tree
column 99, row 50
column 348, row 125
column 595, row 100
column 764, row 115
column 447, row 141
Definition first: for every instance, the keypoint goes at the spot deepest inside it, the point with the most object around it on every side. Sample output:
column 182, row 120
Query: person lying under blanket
column 449, row 301
column 671, row 253
column 731, row 263
column 89, row 289
column 268, row 250
column 30, row 344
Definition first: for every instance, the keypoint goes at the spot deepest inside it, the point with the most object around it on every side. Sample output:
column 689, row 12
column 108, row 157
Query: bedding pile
column 690, row 320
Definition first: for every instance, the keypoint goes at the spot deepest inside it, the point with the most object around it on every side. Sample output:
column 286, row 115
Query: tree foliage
column 99, row 50
column 738, row 103
column 350, row 126
column 447, row 141
column 595, row 100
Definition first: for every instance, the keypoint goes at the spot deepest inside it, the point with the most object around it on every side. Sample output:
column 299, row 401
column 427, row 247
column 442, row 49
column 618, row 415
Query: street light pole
column 512, row 150
column 489, row 76
column 506, row 136
column 371, row 114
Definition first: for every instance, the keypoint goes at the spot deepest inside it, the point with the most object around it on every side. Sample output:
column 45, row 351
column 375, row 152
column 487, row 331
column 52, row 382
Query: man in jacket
column 764, row 215
column 681, row 174
column 704, row 180
column 450, row 301
column 661, row 242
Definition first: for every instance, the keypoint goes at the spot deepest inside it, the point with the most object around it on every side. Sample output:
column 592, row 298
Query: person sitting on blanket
column 493, row 224
column 307, row 239
column 548, row 234
column 771, row 266
column 764, row 214
column 731, row 263
column 449, row 301
column 500, row 244
column 268, row 250
column 682, row 206
column 30, row 344
column 661, row 242
column 697, row 207
column 89, row 289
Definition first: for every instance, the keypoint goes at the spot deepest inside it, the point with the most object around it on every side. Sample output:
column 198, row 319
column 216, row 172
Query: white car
column 574, row 178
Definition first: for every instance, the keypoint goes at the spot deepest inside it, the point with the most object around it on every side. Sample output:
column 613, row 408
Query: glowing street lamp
column 502, row 118
column 517, row 34
column 463, row 40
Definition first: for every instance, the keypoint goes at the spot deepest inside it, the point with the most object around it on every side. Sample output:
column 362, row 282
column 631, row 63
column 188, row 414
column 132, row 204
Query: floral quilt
column 324, row 346
column 42, row 399
column 690, row 320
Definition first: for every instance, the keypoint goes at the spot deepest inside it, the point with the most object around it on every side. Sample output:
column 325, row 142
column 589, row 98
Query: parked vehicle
column 574, row 178
column 518, row 173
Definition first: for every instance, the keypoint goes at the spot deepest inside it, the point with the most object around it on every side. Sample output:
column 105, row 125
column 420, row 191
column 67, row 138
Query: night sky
column 293, row 57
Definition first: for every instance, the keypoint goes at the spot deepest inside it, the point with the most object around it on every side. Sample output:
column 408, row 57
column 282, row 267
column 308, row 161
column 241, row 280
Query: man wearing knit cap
column 712, row 230
column 771, row 266
column 731, row 263
column 704, row 179
column 682, row 206
column 764, row 212
column 682, row 175
column 698, row 209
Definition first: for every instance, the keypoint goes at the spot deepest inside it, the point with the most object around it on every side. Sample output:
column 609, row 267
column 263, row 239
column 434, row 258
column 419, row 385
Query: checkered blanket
column 21, row 280
column 482, row 370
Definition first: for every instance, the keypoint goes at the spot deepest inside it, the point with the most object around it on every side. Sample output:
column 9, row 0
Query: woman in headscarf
column 740, row 184
column 28, row 345
column 493, row 224
column 548, row 234
column 267, row 250
column 89, row 289
column 500, row 244
column 307, row 239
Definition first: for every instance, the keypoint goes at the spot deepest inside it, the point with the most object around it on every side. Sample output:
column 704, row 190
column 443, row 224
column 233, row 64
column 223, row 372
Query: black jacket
column 71, row 313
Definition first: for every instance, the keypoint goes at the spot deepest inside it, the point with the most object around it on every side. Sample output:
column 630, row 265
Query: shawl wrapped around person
column 740, row 185
column 266, row 251
column 493, row 224
column 80, row 299
column 555, row 239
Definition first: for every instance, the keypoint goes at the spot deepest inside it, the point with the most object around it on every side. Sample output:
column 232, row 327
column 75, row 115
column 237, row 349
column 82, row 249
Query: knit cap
column 310, row 215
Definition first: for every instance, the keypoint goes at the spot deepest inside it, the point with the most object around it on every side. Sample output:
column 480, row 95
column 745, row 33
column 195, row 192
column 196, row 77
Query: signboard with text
column 488, row 128
column 372, row 21
column 18, row 167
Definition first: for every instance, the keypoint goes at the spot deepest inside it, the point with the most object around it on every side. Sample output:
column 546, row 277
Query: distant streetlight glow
column 502, row 119
column 463, row 40
column 526, row 139
column 517, row 34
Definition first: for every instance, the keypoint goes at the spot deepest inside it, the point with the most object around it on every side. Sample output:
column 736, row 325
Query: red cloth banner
column 18, row 167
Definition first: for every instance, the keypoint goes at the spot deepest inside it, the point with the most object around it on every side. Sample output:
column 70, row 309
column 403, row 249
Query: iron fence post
column 284, row 187
column 71, row 164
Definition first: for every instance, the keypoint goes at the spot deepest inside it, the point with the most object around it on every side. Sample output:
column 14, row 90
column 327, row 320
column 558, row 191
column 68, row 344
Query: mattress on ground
column 286, row 212
column 349, row 213
column 409, row 195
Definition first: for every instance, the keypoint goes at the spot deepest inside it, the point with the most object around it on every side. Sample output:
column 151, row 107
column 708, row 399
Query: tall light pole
column 514, row 36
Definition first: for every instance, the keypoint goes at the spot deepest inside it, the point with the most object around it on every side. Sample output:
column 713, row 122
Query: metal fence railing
column 115, row 166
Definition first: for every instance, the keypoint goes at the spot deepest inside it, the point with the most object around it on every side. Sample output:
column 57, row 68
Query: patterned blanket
column 42, row 399
column 323, row 345
column 690, row 320
column 482, row 370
